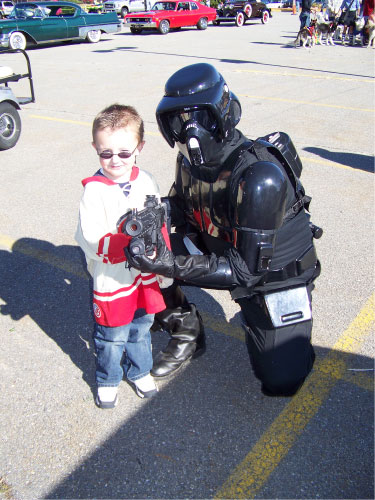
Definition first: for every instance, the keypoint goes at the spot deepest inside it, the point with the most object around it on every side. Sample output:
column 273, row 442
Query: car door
column 182, row 17
column 53, row 26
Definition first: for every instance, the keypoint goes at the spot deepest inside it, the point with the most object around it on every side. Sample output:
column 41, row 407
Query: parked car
column 41, row 22
column 168, row 15
column 6, row 7
column 274, row 4
column 123, row 7
column 239, row 11
column 10, row 121
column 92, row 6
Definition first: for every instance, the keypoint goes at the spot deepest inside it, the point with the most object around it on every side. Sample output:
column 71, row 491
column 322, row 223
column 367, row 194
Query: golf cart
column 10, row 121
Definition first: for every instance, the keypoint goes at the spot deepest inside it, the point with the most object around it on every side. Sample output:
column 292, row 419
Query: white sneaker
column 145, row 387
column 106, row 397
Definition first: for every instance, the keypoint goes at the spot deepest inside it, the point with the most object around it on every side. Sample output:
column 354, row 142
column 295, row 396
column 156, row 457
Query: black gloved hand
column 163, row 263
column 166, row 264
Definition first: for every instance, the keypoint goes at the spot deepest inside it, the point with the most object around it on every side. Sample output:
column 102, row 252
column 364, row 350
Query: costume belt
column 293, row 269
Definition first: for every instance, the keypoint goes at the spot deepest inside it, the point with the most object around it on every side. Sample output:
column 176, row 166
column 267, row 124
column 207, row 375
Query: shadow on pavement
column 185, row 442
column 354, row 160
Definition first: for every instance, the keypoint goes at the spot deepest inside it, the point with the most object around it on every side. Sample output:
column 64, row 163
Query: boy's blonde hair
column 119, row 116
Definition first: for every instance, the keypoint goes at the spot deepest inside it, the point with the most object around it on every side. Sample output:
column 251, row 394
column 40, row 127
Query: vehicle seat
column 5, row 71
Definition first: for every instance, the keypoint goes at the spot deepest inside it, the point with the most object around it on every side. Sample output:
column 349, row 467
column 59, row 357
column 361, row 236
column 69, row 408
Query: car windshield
column 164, row 6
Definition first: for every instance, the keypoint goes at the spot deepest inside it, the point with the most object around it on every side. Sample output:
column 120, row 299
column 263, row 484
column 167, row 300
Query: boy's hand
column 111, row 247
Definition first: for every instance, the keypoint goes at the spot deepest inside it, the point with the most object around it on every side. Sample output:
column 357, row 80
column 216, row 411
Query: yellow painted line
column 75, row 122
column 309, row 76
column 309, row 103
column 252, row 473
column 62, row 120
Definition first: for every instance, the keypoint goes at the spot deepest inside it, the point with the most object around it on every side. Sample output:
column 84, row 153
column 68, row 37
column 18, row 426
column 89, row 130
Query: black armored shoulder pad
column 261, row 196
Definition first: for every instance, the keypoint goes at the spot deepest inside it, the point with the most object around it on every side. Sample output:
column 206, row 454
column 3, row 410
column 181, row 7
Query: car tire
column 248, row 10
column 202, row 23
column 164, row 27
column 93, row 36
column 136, row 31
column 124, row 11
column 265, row 17
column 10, row 126
column 17, row 40
column 240, row 19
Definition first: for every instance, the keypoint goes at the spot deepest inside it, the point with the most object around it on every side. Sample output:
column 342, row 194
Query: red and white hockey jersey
column 118, row 291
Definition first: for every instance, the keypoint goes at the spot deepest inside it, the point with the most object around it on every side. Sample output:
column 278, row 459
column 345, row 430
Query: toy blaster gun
column 143, row 226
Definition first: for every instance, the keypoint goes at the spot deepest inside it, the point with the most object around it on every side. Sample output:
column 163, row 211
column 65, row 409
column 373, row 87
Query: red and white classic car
column 168, row 15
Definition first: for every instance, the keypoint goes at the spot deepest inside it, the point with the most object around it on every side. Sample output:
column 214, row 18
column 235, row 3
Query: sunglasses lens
column 124, row 154
column 106, row 155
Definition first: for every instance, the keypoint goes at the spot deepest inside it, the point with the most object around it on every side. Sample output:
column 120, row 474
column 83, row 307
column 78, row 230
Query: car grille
column 139, row 20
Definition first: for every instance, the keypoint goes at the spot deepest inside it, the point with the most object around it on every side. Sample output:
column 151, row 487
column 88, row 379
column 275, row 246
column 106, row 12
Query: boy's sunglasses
column 107, row 155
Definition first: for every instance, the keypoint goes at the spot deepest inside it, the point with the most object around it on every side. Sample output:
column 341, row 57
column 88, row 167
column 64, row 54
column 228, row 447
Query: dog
column 306, row 36
column 369, row 33
column 327, row 29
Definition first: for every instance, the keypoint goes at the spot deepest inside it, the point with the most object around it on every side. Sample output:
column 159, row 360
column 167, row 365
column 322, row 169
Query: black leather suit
column 250, row 214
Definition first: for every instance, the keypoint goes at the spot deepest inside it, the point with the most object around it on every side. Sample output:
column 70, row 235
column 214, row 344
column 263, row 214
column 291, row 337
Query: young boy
column 124, row 299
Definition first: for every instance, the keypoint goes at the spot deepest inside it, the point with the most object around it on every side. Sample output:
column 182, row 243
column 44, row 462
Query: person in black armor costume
column 240, row 202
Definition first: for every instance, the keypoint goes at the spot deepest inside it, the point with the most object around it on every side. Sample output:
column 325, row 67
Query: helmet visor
column 202, row 117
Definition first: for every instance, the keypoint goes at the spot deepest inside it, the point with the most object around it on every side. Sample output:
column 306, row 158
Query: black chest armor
column 255, row 205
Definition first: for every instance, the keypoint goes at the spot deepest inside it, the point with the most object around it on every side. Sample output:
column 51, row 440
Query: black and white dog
column 306, row 36
column 326, row 29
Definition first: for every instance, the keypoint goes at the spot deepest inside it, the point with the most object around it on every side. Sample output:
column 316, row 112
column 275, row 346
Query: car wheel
column 136, row 31
column 17, row 40
column 10, row 126
column 265, row 17
column 164, row 27
column 93, row 36
column 240, row 19
column 202, row 23
column 124, row 11
column 248, row 10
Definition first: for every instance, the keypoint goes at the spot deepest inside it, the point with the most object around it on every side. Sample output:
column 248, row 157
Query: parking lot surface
column 210, row 432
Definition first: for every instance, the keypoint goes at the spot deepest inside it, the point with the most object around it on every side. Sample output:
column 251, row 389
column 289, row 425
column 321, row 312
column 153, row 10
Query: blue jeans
column 123, row 349
column 304, row 17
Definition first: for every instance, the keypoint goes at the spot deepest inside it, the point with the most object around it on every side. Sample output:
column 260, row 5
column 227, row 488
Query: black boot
column 184, row 324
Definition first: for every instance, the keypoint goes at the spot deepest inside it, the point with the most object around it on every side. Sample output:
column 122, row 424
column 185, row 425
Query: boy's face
column 117, row 141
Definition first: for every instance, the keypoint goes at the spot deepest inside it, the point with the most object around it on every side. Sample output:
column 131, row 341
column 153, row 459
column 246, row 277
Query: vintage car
column 32, row 23
column 240, row 11
column 168, row 15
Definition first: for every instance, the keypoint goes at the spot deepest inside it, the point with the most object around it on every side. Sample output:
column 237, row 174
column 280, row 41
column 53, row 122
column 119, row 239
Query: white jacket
column 117, row 290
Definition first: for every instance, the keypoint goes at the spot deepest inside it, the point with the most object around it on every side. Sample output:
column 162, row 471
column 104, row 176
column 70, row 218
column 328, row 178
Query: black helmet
column 199, row 113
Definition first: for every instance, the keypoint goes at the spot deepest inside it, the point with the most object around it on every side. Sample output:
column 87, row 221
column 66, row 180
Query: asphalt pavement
column 210, row 432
